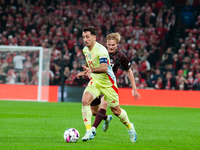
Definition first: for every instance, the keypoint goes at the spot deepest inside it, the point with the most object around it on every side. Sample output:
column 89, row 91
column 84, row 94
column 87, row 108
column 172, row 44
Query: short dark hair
column 92, row 30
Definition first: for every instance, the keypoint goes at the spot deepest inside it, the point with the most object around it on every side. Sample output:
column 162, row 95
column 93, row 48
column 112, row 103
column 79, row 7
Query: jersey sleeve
column 103, row 55
column 125, row 62
column 84, row 50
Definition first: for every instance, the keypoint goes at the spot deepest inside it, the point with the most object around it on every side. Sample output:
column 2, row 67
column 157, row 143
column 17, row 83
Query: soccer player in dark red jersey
column 117, row 58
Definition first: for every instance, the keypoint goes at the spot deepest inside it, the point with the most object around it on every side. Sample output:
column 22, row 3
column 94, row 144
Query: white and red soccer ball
column 71, row 135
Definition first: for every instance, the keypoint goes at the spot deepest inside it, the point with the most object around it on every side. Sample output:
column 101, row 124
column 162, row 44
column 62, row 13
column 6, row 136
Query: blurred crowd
column 148, row 28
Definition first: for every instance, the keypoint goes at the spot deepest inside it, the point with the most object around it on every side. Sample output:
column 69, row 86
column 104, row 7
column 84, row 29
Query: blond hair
column 113, row 36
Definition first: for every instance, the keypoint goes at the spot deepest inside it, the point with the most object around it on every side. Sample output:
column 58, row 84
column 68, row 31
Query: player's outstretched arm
column 132, row 80
column 82, row 73
column 102, row 69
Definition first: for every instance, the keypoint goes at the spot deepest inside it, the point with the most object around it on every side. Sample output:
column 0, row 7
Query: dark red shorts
column 96, row 101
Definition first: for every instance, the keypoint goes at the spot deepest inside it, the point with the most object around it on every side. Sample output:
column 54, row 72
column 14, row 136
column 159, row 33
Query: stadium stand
column 161, row 39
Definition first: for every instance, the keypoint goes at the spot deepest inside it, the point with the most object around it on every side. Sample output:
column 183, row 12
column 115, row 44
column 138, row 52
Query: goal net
column 24, row 73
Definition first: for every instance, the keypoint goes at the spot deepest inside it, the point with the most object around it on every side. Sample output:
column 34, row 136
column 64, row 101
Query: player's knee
column 94, row 112
column 115, row 112
column 85, row 102
column 104, row 105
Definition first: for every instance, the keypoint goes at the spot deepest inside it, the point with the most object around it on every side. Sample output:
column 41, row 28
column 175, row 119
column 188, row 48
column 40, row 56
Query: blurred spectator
column 190, row 38
column 81, row 59
column 153, row 57
column 18, row 61
column 9, row 58
column 66, row 73
column 159, row 4
column 142, row 84
column 141, row 50
column 197, row 82
column 178, row 44
column 187, row 18
column 195, row 61
column 159, row 83
column 56, row 79
column 198, row 47
column 181, row 82
column 144, row 67
column 70, row 80
column 131, row 52
column 154, row 77
column 177, row 65
column 168, row 67
column 2, row 75
column 185, row 69
column 22, row 78
column 134, row 68
column 161, row 31
column 181, row 53
column 170, row 81
column 34, row 80
column 198, row 22
column 4, row 64
column 121, row 81
column 28, row 63
column 12, row 41
column 167, row 58
column 188, row 7
column 137, row 32
column 196, row 69
column 172, row 31
column 56, row 53
column 190, row 81
column 11, row 76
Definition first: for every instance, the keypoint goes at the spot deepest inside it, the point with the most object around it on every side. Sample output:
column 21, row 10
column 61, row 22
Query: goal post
column 40, row 72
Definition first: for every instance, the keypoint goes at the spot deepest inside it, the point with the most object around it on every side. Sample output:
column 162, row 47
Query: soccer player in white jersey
column 102, row 81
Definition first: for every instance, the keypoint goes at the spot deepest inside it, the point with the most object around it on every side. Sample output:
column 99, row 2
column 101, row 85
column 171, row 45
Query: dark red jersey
column 117, row 59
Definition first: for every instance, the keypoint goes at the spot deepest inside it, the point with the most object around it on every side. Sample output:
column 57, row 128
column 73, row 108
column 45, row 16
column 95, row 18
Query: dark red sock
column 105, row 117
column 100, row 115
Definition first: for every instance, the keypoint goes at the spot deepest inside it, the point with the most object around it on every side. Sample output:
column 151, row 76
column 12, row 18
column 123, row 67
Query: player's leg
column 90, row 93
column 95, row 105
column 101, row 115
column 123, row 117
column 106, row 118
column 111, row 96
column 87, row 115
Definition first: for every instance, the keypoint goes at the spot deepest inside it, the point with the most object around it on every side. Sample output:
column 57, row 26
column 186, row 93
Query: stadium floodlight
column 43, row 63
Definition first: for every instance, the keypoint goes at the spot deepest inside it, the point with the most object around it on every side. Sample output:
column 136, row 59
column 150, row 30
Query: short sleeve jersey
column 94, row 58
column 117, row 59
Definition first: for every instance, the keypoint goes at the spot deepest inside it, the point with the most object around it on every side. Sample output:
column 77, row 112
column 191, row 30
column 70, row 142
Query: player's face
column 112, row 46
column 88, row 38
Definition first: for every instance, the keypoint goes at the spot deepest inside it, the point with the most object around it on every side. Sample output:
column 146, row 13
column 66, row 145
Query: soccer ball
column 71, row 135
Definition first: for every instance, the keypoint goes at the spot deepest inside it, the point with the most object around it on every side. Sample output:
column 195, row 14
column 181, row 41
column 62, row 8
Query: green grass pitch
column 38, row 126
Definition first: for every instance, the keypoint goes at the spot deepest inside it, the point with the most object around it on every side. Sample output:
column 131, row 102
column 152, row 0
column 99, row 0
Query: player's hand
column 80, row 74
column 88, row 71
column 136, row 95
